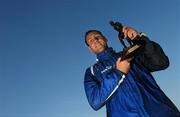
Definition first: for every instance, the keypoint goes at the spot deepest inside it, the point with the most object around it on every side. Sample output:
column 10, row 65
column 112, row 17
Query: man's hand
column 123, row 66
column 129, row 32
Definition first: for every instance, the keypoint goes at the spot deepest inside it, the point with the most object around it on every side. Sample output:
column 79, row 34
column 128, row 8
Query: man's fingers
column 129, row 32
column 119, row 59
column 128, row 60
column 133, row 34
column 125, row 32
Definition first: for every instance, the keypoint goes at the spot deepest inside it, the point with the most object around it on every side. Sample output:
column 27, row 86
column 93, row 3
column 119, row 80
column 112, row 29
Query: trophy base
column 131, row 51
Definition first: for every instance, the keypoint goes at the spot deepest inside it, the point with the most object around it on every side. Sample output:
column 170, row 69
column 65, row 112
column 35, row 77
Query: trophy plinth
column 131, row 51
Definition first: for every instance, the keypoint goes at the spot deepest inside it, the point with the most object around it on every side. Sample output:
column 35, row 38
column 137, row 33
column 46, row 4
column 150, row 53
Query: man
column 126, row 87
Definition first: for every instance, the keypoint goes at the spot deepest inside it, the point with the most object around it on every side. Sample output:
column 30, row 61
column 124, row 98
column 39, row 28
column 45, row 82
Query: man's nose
column 95, row 40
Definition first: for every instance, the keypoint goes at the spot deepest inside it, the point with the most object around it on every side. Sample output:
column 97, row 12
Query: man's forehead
column 93, row 34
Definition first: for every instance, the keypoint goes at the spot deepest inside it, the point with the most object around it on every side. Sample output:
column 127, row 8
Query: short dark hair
column 90, row 31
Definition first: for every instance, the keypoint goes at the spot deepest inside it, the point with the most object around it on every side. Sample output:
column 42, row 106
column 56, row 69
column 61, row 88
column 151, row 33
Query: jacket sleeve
column 153, row 56
column 99, row 92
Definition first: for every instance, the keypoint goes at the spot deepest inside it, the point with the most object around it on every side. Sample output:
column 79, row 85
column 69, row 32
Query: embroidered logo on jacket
column 106, row 69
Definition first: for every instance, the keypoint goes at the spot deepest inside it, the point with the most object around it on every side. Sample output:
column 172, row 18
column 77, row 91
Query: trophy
column 135, row 48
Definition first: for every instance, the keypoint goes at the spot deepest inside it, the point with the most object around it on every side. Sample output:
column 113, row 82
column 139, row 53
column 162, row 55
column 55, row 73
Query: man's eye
column 91, row 41
column 97, row 37
column 94, row 38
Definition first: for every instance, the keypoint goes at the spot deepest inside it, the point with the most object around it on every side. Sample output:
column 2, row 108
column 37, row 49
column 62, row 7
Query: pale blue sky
column 43, row 56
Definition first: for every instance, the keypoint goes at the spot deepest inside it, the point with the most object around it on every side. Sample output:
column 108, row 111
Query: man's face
column 97, row 43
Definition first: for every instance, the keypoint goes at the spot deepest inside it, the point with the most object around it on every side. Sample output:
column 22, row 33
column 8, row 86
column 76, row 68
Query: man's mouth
column 98, row 45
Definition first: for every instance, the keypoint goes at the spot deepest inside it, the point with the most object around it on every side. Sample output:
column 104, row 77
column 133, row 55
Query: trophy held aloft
column 135, row 46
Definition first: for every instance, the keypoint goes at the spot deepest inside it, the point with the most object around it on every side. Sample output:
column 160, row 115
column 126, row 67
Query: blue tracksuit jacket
column 135, row 94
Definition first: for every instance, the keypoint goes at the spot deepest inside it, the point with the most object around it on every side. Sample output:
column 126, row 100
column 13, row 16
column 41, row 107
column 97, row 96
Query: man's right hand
column 123, row 66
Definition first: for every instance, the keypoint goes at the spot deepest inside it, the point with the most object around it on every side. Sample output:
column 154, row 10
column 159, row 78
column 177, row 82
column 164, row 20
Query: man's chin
column 101, row 49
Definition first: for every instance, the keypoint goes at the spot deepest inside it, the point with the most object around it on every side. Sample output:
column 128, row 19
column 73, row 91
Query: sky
column 43, row 56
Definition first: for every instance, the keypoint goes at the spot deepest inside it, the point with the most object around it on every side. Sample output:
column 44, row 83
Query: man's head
column 95, row 41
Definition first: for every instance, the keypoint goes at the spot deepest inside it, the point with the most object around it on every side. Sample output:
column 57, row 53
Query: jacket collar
column 105, row 54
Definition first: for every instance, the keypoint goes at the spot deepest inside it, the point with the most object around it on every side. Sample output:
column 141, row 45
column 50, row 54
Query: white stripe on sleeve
column 119, row 83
